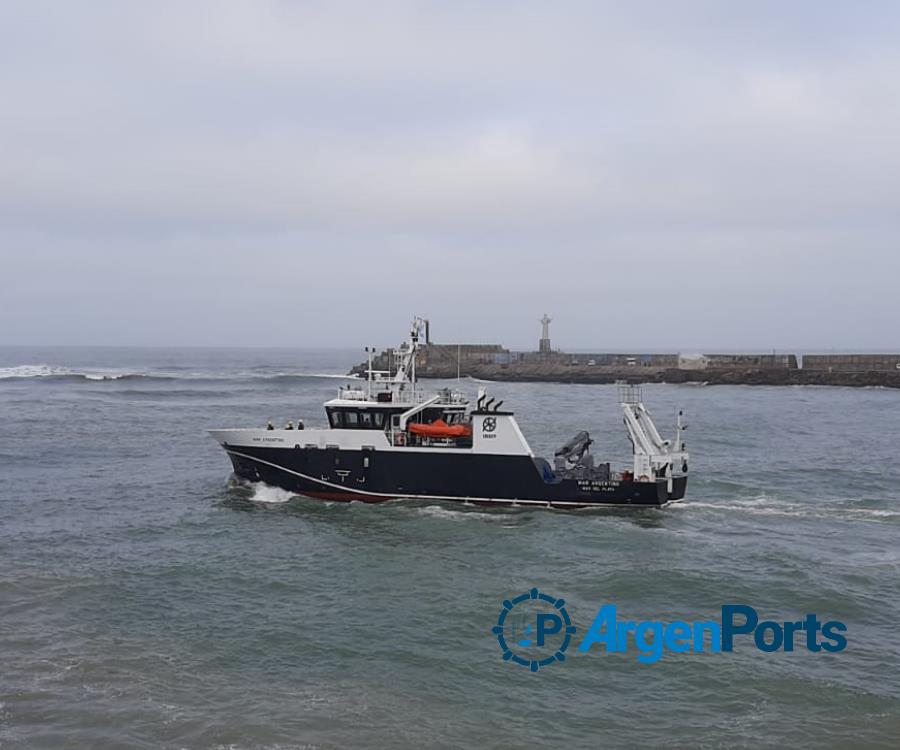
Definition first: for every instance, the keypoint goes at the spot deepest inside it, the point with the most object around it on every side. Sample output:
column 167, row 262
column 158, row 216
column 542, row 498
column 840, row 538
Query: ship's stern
column 679, row 487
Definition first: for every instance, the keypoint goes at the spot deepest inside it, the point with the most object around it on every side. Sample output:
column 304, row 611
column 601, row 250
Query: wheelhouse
column 374, row 416
column 393, row 404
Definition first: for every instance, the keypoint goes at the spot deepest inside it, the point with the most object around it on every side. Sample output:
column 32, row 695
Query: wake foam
column 767, row 506
column 450, row 514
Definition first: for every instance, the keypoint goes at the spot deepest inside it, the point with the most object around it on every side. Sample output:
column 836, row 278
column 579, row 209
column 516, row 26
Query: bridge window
column 358, row 419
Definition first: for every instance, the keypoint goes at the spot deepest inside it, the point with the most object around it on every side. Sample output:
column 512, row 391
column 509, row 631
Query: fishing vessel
column 386, row 438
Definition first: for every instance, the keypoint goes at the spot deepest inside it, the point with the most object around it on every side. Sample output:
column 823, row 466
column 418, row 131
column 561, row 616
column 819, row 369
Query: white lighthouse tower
column 544, row 345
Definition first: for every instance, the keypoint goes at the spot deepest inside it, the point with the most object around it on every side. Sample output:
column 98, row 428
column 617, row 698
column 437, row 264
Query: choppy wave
column 54, row 371
column 22, row 372
column 306, row 375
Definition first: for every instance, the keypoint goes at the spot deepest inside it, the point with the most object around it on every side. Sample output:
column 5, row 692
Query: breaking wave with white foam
column 53, row 371
column 21, row 372
column 266, row 493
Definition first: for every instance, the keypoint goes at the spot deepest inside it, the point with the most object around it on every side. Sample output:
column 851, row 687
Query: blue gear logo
column 534, row 630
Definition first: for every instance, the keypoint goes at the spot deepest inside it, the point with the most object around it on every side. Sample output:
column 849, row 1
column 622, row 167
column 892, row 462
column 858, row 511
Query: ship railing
column 410, row 440
column 630, row 393
column 352, row 394
column 404, row 397
column 410, row 397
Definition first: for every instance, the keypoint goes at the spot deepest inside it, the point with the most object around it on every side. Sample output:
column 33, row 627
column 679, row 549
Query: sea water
column 149, row 600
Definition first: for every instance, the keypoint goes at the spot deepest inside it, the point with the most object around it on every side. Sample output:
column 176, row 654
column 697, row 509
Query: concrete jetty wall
column 494, row 362
column 439, row 356
column 851, row 362
column 751, row 361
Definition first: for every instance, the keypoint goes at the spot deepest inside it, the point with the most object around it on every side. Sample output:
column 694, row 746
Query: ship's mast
column 406, row 370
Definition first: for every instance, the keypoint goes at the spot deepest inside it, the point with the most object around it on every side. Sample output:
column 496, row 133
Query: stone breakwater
column 559, row 373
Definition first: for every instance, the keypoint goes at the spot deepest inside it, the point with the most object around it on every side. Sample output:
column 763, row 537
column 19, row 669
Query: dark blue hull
column 376, row 476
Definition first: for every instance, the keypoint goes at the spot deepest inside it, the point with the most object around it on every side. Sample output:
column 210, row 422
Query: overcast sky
column 678, row 175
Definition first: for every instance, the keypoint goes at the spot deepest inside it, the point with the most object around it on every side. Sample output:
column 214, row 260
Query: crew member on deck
column 270, row 426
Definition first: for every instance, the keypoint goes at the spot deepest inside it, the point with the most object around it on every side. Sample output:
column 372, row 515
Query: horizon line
column 579, row 350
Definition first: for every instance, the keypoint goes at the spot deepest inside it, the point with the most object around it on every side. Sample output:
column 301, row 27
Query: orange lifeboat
column 440, row 429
